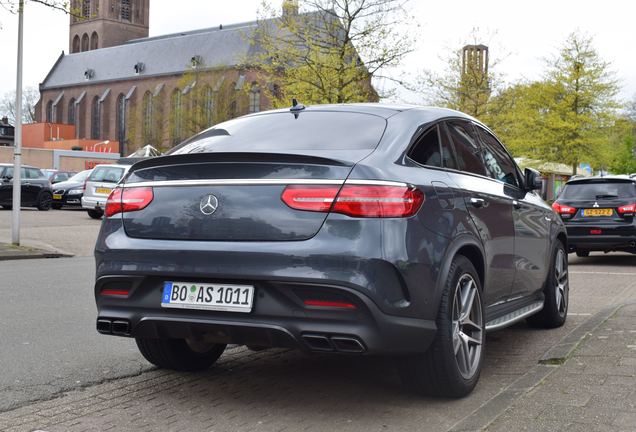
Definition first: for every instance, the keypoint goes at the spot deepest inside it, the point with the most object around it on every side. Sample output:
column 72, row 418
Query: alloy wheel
column 561, row 285
column 467, row 326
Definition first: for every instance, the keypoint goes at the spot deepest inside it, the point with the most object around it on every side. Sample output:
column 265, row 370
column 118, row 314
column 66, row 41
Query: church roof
column 216, row 47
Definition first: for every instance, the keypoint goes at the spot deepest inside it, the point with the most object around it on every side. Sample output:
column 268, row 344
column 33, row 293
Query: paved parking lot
column 68, row 231
column 278, row 390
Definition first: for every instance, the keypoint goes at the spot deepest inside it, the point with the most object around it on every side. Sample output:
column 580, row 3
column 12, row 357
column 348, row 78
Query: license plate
column 219, row 297
column 598, row 212
column 57, row 196
column 105, row 191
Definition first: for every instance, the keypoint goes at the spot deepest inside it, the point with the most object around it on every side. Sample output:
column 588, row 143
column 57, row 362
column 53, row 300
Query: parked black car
column 35, row 191
column 56, row 176
column 599, row 214
column 70, row 192
column 349, row 229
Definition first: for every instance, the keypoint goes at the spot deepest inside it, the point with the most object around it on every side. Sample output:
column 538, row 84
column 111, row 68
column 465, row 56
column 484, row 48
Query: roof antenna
column 296, row 107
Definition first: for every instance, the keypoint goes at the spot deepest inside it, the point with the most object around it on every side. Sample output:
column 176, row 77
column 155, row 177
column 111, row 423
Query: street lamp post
column 17, row 145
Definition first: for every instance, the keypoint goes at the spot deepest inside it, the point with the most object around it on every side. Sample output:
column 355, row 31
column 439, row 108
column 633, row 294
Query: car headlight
column 75, row 192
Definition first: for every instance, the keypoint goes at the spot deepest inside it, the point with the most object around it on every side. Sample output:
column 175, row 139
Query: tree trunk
column 575, row 166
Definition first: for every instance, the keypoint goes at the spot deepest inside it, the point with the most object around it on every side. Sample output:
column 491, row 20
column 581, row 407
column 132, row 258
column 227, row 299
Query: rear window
column 107, row 174
column 313, row 130
column 594, row 191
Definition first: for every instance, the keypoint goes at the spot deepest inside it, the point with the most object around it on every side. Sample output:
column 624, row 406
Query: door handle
column 477, row 202
column 516, row 204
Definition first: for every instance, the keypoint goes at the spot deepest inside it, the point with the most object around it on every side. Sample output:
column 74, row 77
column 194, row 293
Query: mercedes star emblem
column 208, row 204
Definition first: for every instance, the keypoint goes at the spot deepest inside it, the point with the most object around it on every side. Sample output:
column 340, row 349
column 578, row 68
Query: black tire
column 582, row 253
column 45, row 200
column 95, row 214
column 56, row 206
column 555, row 309
column 437, row 372
column 178, row 354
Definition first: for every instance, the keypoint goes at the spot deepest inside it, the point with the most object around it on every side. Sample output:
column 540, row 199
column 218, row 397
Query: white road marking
column 603, row 273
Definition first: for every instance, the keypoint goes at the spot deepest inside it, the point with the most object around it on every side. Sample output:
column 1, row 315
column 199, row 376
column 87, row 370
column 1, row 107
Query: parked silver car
column 99, row 185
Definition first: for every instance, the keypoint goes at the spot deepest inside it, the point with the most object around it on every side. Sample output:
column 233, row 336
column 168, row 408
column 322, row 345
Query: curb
column 10, row 253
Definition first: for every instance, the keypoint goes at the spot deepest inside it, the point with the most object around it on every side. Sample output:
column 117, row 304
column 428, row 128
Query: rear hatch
column 598, row 202
column 103, row 179
column 227, row 183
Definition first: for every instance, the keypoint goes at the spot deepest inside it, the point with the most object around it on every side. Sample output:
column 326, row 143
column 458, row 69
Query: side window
column 500, row 166
column 467, row 149
column 33, row 173
column 426, row 150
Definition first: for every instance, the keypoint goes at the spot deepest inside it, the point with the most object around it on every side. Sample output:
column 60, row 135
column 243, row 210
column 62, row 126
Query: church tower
column 105, row 23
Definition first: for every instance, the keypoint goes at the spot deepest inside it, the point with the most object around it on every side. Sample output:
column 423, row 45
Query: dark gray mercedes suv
column 348, row 229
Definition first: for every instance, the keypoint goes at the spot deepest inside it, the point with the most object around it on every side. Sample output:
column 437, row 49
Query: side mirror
column 532, row 179
column 7, row 178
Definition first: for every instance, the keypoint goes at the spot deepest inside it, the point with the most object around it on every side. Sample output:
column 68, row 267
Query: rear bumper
column 395, row 296
column 92, row 203
column 611, row 237
column 278, row 319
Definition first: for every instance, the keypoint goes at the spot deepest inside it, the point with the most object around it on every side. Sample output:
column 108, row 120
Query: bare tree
column 30, row 96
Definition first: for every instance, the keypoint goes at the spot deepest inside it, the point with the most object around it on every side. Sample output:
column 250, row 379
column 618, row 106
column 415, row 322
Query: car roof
column 384, row 110
column 599, row 179
column 21, row 166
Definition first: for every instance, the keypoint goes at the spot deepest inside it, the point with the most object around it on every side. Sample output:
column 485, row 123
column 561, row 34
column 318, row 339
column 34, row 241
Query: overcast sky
column 527, row 32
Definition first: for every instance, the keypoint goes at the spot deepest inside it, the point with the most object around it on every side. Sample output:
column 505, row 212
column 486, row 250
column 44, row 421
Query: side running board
column 514, row 316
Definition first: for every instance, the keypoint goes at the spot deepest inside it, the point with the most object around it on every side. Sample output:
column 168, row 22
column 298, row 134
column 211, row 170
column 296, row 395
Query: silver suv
column 99, row 185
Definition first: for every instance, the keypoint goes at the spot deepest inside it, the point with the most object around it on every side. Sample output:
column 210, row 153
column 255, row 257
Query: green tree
column 331, row 53
column 580, row 105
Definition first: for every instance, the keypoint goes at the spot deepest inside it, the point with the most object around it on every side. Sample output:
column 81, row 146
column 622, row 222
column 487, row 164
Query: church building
column 118, row 84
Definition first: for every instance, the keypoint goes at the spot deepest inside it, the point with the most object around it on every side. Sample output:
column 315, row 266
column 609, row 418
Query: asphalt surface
column 48, row 336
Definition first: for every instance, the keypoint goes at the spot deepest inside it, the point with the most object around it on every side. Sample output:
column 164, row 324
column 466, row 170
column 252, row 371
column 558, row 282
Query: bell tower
column 105, row 23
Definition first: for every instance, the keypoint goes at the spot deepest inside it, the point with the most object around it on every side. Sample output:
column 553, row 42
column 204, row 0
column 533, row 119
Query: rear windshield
column 594, row 191
column 107, row 174
column 312, row 130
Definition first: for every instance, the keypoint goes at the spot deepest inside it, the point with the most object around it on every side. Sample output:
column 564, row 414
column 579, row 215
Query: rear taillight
column 355, row 200
column 128, row 200
column 627, row 210
column 563, row 210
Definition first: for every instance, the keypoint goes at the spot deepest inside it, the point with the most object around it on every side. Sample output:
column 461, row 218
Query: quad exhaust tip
column 113, row 327
column 325, row 343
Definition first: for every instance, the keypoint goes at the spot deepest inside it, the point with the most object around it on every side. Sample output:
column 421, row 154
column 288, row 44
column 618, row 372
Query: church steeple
column 105, row 23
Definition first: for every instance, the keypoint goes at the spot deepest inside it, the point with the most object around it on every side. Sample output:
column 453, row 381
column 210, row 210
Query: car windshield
column 80, row 177
column 600, row 190
column 107, row 174
column 314, row 130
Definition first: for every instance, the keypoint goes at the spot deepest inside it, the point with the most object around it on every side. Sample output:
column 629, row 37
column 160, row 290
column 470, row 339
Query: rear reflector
column 114, row 292
column 329, row 304
column 370, row 201
column 128, row 200
column 596, row 231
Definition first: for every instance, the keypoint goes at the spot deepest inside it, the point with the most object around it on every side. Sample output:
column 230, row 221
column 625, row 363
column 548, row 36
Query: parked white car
column 99, row 185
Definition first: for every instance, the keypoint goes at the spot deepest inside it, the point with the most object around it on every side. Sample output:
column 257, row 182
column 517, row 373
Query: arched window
column 86, row 8
column 208, row 105
column 121, row 121
column 95, row 118
column 148, row 117
column 177, row 115
column 70, row 118
column 94, row 41
column 49, row 112
column 255, row 98
column 125, row 10
column 76, row 44
column 85, row 42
